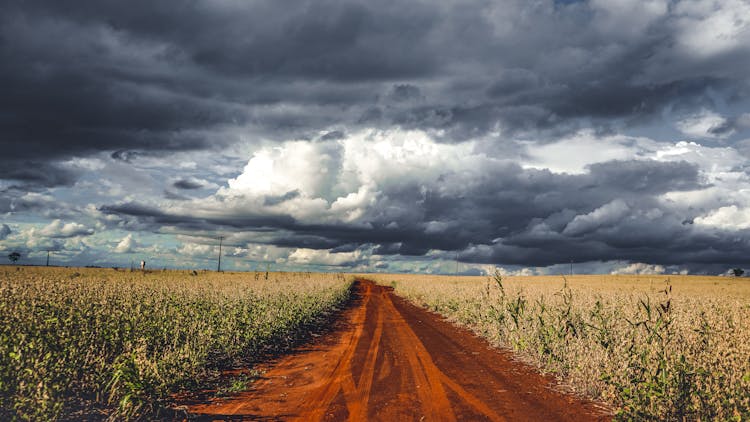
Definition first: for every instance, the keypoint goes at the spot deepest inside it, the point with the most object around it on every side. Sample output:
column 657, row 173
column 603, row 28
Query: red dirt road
column 389, row 360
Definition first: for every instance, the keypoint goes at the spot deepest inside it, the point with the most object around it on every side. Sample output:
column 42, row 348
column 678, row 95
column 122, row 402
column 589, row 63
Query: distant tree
column 14, row 256
column 738, row 272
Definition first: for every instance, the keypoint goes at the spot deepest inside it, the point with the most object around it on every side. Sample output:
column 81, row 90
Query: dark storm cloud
column 32, row 174
column 509, row 215
column 276, row 200
column 168, row 194
column 731, row 125
column 156, row 76
column 509, row 201
column 644, row 177
column 333, row 135
column 405, row 92
column 4, row 231
column 126, row 156
column 186, row 184
column 148, row 217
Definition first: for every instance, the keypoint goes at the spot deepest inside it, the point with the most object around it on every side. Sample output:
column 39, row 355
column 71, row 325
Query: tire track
column 433, row 399
column 341, row 378
column 359, row 410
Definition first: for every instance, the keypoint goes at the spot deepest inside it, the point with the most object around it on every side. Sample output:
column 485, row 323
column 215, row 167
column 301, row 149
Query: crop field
column 653, row 347
column 117, row 344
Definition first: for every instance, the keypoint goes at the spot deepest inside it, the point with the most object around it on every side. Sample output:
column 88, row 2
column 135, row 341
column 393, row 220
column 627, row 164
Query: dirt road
column 389, row 360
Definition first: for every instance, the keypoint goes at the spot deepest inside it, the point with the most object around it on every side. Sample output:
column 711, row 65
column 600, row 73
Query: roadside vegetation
column 654, row 347
column 100, row 343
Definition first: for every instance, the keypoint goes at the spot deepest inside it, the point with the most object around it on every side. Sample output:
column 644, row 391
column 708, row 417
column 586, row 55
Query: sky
column 397, row 136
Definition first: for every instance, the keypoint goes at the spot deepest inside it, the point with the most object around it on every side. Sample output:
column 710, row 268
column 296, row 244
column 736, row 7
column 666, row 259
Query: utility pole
column 221, row 239
column 571, row 267
column 48, row 257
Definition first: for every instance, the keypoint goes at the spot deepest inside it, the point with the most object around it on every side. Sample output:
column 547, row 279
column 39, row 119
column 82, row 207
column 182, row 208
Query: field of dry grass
column 653, row 346
column 116, row 344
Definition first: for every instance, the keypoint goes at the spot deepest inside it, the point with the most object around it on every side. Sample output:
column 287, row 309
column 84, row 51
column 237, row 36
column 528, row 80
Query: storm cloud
column 507, row 132
column 487, row 210
column 146, row 76
column 4, row 231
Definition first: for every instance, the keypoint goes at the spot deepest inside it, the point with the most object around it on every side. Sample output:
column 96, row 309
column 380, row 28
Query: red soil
column 389, row 360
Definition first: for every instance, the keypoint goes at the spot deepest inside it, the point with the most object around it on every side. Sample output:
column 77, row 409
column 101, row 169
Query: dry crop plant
column 666, row 350
column 117, row 344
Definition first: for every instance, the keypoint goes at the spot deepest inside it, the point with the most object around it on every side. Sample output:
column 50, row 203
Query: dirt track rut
column 389, row 360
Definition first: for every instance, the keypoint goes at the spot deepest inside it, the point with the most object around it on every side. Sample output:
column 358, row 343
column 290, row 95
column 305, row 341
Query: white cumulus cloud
column 639, row 268
column 126, row 245
column 324, row 257
column 59, row 229
column 338, row 180
column 728, row 218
